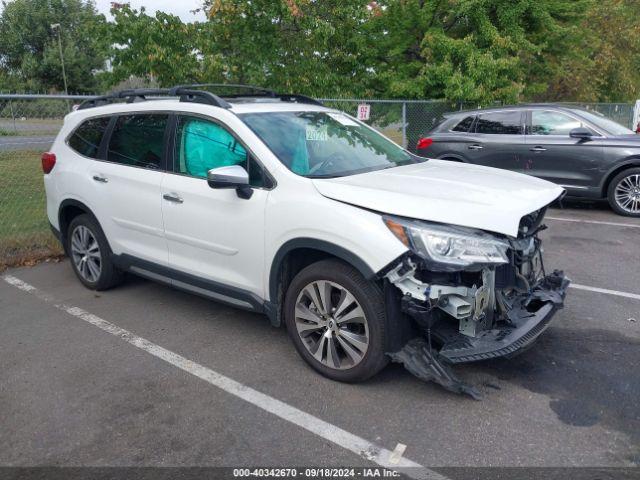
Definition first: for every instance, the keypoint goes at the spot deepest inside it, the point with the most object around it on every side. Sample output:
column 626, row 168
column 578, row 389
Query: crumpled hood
column 446, row 192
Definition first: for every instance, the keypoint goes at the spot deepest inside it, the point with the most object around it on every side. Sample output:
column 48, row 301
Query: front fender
column 306, row 219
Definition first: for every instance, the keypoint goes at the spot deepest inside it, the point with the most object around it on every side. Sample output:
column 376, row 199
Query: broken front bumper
column 529, row 317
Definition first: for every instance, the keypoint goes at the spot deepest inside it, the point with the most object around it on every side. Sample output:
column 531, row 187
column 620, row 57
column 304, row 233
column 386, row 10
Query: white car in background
column 277, row 204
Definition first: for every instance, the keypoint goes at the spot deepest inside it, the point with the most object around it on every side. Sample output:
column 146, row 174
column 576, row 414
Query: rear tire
column 344, row 340
column 624, row 193
column 90, row 254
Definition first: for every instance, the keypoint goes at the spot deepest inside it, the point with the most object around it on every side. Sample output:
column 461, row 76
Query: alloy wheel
column 85, row 253
column 331, row 324
column 627, row 193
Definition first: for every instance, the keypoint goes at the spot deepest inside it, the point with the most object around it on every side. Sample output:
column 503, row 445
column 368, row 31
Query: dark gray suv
column 584, row 152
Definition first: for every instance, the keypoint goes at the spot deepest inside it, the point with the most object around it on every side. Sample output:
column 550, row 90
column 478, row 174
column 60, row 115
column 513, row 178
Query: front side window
column 202, row 145
column 464, row 125
column 500, row 123
column 325, row 144
column 546, row 122
column 87, row 137
column 138, row 140
column 606, row 124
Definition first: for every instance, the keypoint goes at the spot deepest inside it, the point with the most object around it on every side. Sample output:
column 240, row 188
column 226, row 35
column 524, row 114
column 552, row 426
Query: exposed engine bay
column 477, row 312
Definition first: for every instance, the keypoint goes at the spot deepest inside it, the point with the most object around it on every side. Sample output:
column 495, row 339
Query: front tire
column 336, row 320
column 90, row 254
column 624, row 193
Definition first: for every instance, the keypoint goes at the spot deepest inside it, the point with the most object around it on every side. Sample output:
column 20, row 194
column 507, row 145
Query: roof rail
column 258, row 92
column 141, row 94
column 190, row 93
column 292, row 97
column 198, row 96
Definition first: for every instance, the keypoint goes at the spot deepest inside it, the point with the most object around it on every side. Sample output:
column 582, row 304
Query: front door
column 213, row 234
column 553, row 155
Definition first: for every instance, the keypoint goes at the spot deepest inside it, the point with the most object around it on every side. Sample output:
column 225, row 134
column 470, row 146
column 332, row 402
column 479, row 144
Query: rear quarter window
column 87, row 137
column 464, row 125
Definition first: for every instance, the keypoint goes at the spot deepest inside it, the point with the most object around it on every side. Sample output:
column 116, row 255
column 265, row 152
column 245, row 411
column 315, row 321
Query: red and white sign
column 364, row 110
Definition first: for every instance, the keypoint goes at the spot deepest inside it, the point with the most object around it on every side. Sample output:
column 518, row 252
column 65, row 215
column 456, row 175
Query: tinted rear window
column 500, row 123
column 138, row 140
column 87, row 137
column 464, row 125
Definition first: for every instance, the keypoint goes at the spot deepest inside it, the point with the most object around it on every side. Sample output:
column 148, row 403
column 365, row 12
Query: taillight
column 48, row 161
column 424, row 143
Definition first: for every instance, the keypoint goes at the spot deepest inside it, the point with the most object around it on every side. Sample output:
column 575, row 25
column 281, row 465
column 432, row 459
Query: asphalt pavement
column 147, row 375
column 21, row 142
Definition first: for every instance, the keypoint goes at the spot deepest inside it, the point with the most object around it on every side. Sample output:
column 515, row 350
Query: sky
column 182, row 8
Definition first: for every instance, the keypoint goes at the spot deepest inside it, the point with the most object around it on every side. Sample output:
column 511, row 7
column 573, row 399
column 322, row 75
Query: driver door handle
column 538, row 149
column 475, row 147
column 173, row 197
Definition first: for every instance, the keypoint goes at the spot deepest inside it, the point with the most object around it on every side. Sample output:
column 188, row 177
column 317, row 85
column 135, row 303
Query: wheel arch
column 298, row 253
column 452, row 157
column 68, row 210
column 632, row 162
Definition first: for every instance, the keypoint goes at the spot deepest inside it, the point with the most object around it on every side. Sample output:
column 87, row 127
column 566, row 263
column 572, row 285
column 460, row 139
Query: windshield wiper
column 325, row 176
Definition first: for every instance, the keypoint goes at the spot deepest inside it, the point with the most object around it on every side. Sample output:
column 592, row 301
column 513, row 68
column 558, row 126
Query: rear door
column 126, row 181
column 553, row 155
column 498, row 140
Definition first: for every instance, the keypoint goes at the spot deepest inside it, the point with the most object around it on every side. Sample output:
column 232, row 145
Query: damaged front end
column 471, row 295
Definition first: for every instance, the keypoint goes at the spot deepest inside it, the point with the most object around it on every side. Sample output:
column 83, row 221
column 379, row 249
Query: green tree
column 29, row 51
column 469, row 50
column 309, row 47
column 464, row 50
column 601, row 64
column 161, row 48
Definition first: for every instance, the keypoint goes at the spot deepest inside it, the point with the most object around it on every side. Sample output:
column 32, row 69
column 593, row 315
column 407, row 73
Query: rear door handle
column 173, row 197
column 100, row 179
column 475, row 147
column 538, row 149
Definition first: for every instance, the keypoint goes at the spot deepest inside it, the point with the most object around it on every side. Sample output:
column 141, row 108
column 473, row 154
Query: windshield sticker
column 317, row 134
column 343, row 119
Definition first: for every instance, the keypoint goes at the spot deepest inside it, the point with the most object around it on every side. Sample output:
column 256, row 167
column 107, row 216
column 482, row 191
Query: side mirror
column 233, row 176
column 581, row 133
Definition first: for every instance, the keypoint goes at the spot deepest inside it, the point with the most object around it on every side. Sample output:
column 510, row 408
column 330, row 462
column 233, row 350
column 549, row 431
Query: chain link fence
column 403, row 121
column 29, row 123
column 623, row 113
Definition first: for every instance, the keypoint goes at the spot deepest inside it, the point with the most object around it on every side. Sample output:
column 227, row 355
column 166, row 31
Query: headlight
column 449, row 247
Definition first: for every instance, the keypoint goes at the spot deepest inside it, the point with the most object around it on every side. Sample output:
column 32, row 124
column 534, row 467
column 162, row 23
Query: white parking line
column 359, row 446
column 595, row 222
column 635, row 296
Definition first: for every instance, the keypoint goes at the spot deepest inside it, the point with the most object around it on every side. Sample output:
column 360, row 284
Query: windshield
column 604, row 123
column 325, row 144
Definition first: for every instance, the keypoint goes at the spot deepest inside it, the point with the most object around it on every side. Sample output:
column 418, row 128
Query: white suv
column 277, row 204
